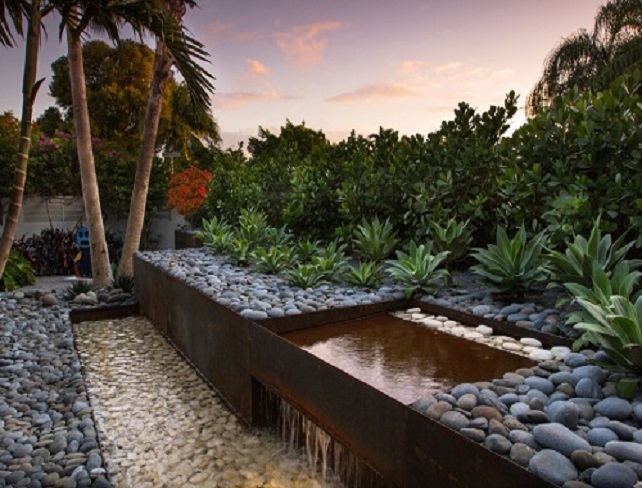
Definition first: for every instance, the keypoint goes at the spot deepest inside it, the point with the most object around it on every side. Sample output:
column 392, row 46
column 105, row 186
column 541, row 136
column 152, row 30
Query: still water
column 402, row 359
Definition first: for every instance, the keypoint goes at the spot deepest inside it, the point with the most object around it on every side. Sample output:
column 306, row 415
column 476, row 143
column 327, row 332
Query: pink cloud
column 256, row 68
column 220, row 32
column 303, row 44
column 238, row 100
column 413, row 66
column 377, row 91
column 441, row 68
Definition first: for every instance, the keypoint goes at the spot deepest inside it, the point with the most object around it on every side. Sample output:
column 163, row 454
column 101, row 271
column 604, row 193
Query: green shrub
column 455, row 237
column 576, row 264
column 306, row 276
column 278, row 236
column 18, row 272
column 418, row 269
column 511, row 266
column 375, row 240
column 273, row 260
column 366, row 275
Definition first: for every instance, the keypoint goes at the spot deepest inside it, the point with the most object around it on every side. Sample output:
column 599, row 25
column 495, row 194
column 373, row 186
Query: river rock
column 559, row 438
column 614, row 408
column 613, row 475
column 553, row 467
column 624, row 451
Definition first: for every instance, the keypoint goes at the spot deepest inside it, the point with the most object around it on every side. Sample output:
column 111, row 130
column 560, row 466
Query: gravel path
column 161, row 425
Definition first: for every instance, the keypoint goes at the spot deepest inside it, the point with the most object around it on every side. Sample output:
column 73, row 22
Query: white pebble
column 541, row 355
column 530, row 341
column 484, row 330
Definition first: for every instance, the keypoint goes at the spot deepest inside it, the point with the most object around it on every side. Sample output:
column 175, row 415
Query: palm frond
column 12, row 15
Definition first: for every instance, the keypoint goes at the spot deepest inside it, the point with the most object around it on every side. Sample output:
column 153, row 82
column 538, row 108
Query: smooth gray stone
column 613, row 475
column 565, row 413
column 601, row 435
column 553, row 467
column 624, row 451
column 559, row 438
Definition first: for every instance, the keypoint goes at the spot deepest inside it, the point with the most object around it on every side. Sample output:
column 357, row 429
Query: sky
column 342, row 65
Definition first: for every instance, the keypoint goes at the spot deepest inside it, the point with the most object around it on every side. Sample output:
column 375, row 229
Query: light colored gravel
column 160, row 424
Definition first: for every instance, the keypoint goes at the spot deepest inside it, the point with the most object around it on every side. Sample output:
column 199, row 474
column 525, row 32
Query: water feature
column 402, row 359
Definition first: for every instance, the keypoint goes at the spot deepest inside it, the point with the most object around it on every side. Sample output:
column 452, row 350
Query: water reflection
column 403, row 359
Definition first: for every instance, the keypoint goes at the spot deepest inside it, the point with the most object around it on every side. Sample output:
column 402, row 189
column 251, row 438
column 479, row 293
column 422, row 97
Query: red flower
column 187, row 191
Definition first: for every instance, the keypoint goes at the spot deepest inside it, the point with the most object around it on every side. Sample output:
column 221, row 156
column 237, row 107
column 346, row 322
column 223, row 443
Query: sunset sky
column 356, row 64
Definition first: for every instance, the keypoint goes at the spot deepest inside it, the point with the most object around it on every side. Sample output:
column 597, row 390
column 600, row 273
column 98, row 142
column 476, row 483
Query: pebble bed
column 47, row 432
column 562, row 418
column 255, row 295
column 162, row 426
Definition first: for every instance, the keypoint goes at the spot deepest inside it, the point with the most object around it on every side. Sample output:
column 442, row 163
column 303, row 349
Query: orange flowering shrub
column 187, row 191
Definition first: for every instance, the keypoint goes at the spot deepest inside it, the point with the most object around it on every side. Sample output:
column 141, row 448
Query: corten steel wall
column 213, row 338
column 235, row 354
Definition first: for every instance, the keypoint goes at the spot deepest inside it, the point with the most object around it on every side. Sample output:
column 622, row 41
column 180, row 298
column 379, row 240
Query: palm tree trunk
column 101, row 271
column 29, row 91
column 136, row 218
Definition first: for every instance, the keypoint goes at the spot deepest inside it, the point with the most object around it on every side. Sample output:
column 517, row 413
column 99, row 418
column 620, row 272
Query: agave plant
column 511, row 266
column 575, row 265
column 306, row 276
column 78, row 287
column 278, row 236
column 366, row 275
column 240, row 251
column 615, row 327
column 418, row 269
column 221, row 240
column 210, row 228
column 273, row 260
column 454, row 237
column 375, row 240
column 331, row 259
column 306, row 250
column 253, row 227
column 622, row 282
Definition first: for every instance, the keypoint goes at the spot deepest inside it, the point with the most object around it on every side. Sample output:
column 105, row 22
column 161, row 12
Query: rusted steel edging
column 77, row 315
column 409, row 449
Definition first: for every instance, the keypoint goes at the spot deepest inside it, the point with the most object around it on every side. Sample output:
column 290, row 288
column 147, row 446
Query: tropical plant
column 76, row 288
column 366, row 275
column 12, row 15
column 418, row 269
column 615, row 327
column 221, row 240
column 122, row 282
column 18, row 272
column 198, row 82
column 306, row 276
column 274, row 260
column 239, row 250
column 331, row 259
column 593, row 59
column 375, row 240
column 305, row 250
column 511, row 266
column 575, row 265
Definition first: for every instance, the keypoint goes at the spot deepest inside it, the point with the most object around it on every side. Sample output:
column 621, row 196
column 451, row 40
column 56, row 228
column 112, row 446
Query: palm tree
column 163, row 61
column 177, row 47
column 592, row 60
column 17, row 11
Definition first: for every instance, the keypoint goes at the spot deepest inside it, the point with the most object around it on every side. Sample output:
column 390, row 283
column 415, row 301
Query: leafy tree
column 593, row 59
column 118, row 80
column 51, row 121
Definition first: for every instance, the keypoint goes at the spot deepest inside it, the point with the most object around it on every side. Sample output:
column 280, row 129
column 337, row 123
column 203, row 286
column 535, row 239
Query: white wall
column 65, row 213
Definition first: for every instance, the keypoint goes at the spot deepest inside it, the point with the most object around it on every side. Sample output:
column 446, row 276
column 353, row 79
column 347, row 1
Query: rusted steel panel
column 364, row 419
column 504, row 328
column 213, row 338
column 77, row 315
column 186, row 240
column 283, row 325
